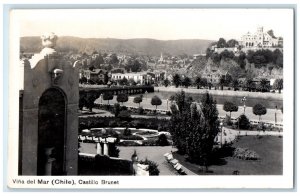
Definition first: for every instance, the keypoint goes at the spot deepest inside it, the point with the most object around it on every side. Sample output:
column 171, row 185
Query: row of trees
column 258, row 109
column 263, row 85
column 88, row 99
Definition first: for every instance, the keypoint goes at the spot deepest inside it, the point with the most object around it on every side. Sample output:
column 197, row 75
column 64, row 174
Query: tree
column 243, row 122
column 198, row 82
column 153, row 167
column 241, row 60
column 123, row 81
column 209, row 52
column 216, row 57
column 166, row 82
column 122, row 98
column 193, row 131
column 259, row 110
column 131, row 82
column 230, row 107
column 113, row 59
column 204, row 82
column 156, row 101
column 127, row 132
column 278, row 85
column 108, row 96
column 176, row 80
column 133, row 66
column 271, row 33
column 226, row 54
column 138, row 100
column 278, row 58
column 232, row 43
column 221, row 43
column 162, row 140
column 235, row 84
column 90, row 98
column 222, row 82
column 264, row 85
column 249, row 84
column 186, row 82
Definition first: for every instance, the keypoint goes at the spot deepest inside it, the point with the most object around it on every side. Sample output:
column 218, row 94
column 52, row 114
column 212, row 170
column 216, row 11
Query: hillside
column 130, row 46
column 198, row 67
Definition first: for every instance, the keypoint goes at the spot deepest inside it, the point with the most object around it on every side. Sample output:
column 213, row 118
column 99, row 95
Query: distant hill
column 131, row 46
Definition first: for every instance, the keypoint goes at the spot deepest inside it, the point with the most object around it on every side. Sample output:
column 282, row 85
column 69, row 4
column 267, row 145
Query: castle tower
column 48, row 122
column 259, row 37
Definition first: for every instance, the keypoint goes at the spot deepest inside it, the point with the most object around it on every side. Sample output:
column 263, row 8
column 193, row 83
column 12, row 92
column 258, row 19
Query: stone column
column 98, row 148
column 105, row 148
column 48, row 164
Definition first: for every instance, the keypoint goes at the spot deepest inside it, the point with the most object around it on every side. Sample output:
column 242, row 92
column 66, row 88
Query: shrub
column 243, row 122
column 153, row 167
column 245, row 154
column 127, row 132
column 130, row 137
column 124, row 115
column 261, row 126
column 113, row 150
column 162, row 140
column 123, row 108
column 140, row 110
column 227, row 120
column 117, row 109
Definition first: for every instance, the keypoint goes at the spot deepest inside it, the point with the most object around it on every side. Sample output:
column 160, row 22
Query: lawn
column 269, row 148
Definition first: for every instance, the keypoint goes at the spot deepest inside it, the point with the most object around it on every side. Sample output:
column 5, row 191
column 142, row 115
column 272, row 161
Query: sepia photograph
column 116, row 98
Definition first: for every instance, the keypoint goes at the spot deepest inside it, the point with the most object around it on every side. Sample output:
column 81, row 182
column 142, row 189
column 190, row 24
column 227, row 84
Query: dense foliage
column 153, row 167
column 193, row 131
column 243, row 122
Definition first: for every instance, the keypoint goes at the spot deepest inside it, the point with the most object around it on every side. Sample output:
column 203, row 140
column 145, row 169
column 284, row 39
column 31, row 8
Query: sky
column 162, row 24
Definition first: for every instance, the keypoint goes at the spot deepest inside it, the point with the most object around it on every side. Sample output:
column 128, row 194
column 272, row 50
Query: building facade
column 139, row 77
column 260, row 39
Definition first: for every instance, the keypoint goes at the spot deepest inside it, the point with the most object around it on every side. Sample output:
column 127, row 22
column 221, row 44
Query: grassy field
column 269, row 148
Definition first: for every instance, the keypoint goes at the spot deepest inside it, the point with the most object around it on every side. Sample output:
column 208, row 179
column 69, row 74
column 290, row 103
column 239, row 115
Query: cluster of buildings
column 101, row 76
column 260, row 39
column 254, row 41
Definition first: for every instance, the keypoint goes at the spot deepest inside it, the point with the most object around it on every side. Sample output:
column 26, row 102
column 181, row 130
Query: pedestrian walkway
column 229, row 135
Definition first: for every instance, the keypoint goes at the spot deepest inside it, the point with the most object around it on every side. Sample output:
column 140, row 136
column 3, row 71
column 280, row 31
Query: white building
column 138, row 77
column 259, row 39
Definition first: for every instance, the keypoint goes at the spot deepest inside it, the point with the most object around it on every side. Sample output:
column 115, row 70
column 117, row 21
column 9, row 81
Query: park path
column 153, row 153
column 228, row 135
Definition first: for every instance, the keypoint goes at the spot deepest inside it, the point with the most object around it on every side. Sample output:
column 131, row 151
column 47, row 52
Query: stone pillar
column 48, row 164
column 105, row 148
column 98, row 148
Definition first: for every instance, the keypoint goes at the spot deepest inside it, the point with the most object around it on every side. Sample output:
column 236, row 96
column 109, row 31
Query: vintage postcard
column 151, row 98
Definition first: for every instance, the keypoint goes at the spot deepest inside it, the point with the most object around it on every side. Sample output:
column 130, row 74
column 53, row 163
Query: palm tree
column 264, row 85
